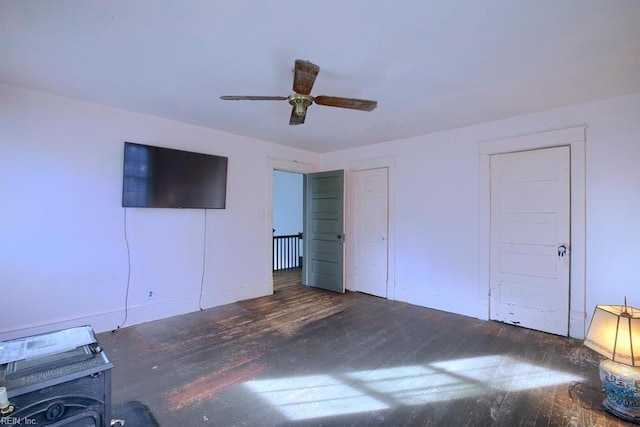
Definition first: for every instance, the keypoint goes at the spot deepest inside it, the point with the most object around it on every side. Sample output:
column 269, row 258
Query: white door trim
column 375, row 163
column 574, row 138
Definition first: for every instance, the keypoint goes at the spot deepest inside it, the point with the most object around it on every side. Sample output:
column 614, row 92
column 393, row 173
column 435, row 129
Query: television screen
column 156, row 177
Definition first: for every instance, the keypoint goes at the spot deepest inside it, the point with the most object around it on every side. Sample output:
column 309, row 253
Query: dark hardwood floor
column 308, row 357
column 283, row 279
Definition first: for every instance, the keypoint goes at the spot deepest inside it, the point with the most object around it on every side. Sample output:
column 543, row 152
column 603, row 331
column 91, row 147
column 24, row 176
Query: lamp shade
column 615, row 333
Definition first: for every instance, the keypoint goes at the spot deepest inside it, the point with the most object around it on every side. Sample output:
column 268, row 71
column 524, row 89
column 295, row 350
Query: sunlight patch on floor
column 316, row 396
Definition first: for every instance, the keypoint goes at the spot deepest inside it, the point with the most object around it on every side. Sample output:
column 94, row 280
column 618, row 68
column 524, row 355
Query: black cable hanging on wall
column 126, row 298
column 204, row 260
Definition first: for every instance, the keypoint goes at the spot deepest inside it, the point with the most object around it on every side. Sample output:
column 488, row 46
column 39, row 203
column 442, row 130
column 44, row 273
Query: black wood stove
column 57, row 379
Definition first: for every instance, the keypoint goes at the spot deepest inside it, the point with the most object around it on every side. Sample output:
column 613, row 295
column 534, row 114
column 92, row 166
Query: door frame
column 382, row 162
column 287, row 165
column 284, row 165
column 575, row 139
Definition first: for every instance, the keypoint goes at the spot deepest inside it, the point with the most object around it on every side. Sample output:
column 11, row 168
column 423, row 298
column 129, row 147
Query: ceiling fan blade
column 296, row 119
column 354, row 104
column 304, row 76
column 253, row 98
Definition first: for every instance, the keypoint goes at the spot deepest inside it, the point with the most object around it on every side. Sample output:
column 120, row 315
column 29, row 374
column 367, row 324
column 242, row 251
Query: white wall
column 287, row 203
column 63, row 257
column 437, row 193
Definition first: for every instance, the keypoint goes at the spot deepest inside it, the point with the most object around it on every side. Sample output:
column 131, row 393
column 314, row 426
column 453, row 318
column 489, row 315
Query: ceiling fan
column 304, row 76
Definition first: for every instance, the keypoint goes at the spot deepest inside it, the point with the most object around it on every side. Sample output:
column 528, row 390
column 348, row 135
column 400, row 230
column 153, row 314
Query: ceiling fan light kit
column 304, row 77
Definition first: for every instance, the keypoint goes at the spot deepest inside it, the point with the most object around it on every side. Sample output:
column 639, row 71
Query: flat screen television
column 156, row 177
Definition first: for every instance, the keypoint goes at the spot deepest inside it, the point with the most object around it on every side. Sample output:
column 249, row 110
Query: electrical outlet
column 150, row 294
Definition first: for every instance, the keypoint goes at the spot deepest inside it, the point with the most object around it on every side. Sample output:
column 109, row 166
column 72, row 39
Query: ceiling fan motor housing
column 300, row 103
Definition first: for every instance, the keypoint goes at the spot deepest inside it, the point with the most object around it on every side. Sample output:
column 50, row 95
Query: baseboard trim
column 156, row 310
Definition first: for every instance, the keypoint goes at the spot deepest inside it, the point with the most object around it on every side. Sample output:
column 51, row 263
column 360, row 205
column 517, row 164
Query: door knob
column 562, row 251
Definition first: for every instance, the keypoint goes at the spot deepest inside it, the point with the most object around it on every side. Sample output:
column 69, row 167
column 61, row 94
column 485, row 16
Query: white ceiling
column 431, row 64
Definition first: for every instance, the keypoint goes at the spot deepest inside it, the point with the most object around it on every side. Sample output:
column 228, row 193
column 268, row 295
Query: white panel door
column 371, row 208
column 530, row 235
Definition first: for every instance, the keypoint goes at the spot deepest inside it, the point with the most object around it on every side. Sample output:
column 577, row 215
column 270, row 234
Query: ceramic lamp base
column 621, row 383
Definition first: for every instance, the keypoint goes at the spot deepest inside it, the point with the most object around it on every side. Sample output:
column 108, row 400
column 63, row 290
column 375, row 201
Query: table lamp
column 615, row 333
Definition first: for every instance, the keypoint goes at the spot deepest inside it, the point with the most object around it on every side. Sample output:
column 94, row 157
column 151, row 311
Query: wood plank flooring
column 308, row 357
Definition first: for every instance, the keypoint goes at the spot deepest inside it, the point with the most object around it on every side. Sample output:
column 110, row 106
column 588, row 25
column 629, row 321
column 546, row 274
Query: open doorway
column 288, row 189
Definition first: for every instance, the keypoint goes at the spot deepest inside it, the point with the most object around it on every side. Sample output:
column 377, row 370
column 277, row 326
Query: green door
column 323, row 231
